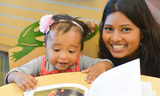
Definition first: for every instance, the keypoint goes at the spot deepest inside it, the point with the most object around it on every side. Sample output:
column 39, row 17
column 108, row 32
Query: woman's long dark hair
column 138, row 12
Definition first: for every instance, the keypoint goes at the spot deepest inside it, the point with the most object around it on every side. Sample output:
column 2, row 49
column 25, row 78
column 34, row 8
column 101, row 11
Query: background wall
column 155, row 8
column 15, row 15
column 4, row 66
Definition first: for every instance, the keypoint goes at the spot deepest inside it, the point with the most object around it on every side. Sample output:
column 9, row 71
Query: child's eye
column 126, row 29
column 56, row 50
column 71, row 51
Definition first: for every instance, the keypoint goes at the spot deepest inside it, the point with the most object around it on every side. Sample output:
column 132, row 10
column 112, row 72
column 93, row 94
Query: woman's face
column 121, row 36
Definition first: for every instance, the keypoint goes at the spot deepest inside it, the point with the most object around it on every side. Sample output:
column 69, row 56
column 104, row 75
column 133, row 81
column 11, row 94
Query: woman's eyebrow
column 119, row 25
column 124, row 25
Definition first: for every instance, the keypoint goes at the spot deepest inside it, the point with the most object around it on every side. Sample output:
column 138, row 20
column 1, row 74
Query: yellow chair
column 30, row 46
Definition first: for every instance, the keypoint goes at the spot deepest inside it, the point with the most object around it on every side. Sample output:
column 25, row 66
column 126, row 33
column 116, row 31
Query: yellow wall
column 15, row 15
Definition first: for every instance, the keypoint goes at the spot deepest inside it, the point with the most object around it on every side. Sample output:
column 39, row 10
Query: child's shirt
column 34, row 66
column 44, row 71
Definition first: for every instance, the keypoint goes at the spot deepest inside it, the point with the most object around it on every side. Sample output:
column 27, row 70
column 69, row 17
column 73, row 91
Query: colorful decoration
column 45, row 23
column 27, row 41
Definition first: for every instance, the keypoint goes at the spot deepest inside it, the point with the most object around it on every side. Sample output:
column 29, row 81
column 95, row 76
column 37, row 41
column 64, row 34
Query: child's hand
column 25, row 81
column 91, row 25
column 96, row 70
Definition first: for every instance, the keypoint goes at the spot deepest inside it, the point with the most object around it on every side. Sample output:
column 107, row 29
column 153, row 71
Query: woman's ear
column 142, row 35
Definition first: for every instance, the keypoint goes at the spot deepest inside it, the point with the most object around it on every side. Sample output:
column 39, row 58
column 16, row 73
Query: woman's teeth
column 118, row 46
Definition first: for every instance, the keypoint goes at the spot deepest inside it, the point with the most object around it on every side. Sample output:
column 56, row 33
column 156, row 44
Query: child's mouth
column 63, row 64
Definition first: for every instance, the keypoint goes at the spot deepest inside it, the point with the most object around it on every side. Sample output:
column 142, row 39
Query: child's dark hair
column 66, row 22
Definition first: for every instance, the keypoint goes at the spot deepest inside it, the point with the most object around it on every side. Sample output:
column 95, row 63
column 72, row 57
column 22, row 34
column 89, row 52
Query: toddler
column 63, row 42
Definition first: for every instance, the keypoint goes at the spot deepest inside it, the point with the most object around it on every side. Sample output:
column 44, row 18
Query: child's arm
column 94, row 67
column 24, row 74
column 96, row 70
column 23, row 80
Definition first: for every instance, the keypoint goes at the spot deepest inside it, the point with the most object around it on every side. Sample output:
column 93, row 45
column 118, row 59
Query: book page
column 153, row 93
column 123, row 80
column 66, row 89
column 147, row 89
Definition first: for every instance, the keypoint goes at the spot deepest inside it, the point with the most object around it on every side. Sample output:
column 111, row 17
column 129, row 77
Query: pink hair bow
column 45, row 23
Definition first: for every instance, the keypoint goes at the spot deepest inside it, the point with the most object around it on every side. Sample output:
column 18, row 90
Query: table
column 72, row 77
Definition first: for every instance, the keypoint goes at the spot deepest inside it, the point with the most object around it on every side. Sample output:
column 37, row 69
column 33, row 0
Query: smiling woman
column 129, row 31
column 121, row 36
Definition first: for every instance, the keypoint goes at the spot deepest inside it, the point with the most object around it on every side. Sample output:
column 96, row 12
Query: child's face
column 63, row 49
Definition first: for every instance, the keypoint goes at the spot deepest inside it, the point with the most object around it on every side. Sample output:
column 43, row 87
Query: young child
column 64, row 38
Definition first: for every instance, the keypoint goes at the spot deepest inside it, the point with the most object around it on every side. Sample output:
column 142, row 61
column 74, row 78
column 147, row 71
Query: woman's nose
column 116, row 37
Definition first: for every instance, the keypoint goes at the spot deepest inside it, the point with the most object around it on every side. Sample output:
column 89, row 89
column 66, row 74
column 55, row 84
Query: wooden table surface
column 72, row 77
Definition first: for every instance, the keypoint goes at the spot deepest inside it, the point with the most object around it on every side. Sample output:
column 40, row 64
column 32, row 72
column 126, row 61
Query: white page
column 153, row 93
column 123, row 80
column 147, row 89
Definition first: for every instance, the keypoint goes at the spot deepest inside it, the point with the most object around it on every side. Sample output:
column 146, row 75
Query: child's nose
column 63, row 56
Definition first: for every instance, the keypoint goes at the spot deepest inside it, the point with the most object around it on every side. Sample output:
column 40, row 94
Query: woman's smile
column 118, row 47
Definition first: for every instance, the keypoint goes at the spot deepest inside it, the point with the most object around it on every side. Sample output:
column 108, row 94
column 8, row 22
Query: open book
column 123, row 80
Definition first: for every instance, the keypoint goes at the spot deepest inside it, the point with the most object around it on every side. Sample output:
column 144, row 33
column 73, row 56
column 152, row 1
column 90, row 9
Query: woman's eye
column 108, row 29
column 71, row 51
column 126, row 29
column 56, row 50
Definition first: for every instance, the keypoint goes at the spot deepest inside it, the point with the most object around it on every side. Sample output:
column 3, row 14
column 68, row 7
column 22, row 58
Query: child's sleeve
column 33, row 68
column 86, row 62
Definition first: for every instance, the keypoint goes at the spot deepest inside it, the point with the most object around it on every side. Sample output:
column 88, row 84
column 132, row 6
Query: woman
column 129, row 31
